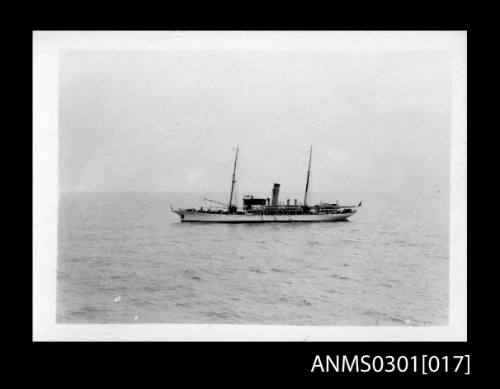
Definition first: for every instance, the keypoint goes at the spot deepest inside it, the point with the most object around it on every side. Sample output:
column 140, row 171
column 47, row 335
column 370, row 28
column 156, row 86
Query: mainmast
column 234, row 180
column 308, row 174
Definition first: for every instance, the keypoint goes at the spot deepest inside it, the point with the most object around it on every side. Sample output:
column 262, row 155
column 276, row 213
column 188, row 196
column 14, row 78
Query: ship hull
column 199, row 217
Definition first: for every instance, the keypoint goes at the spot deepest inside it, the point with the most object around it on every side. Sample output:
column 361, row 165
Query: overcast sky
column 379, row 122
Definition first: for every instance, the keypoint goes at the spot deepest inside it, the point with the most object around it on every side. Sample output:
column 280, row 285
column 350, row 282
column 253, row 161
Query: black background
column 173, row 364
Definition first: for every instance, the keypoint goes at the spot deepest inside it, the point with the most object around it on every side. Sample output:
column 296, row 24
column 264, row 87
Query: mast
column 234, row 180
column 308, row 174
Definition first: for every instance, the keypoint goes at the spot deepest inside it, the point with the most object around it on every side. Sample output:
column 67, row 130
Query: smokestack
column 287, row 202
column 268, row 201
column 295, row 202
column 276, row 195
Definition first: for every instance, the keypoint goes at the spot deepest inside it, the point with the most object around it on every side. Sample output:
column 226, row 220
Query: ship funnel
column 276, row 195
column 268, row 201
column 295, row 202
column 287, row 202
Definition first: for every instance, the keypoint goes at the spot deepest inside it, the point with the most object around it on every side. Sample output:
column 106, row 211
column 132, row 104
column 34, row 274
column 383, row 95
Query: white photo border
column 46, row 46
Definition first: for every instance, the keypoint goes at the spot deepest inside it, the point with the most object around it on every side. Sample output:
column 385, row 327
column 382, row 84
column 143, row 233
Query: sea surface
column 126, row 258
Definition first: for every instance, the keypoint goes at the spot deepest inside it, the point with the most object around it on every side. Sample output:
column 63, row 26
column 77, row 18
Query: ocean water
column 125, row 258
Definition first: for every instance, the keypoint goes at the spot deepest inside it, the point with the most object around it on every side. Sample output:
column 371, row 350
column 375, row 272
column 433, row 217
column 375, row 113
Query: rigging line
column 222, row 184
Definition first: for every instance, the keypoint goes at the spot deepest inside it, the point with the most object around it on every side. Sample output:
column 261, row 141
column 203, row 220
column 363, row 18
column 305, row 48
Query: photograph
column 250, row 179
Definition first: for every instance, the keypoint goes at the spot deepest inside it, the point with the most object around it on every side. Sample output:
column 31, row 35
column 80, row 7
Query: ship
column 266, row 210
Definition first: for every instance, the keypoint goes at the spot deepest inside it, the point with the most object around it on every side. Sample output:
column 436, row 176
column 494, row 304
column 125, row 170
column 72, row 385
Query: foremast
column 232, row 208
column 308, row 174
